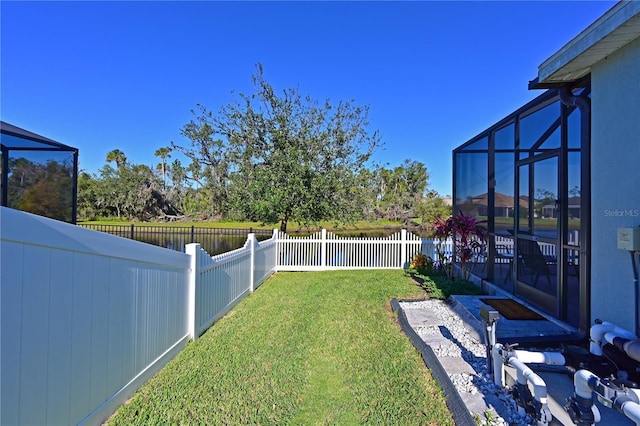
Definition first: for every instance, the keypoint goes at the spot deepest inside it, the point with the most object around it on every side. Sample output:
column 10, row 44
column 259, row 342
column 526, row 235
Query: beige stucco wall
column 615, row 181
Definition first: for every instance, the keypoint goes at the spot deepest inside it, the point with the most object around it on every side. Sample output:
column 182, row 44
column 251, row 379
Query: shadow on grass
column 438, row 285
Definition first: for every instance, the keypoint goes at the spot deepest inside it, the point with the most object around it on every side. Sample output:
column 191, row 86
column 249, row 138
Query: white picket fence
column 325, row 251
column 221, row 281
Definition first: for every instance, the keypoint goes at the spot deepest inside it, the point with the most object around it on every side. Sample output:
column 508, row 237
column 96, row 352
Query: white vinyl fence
column 325, row 250
column 87, row 317
column 225, row 279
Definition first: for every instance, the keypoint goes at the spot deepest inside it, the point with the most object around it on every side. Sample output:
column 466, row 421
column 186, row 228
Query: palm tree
column 163, row 153
column 118, row 157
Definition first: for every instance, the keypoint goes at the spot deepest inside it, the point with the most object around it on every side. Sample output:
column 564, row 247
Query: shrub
column 421, row 263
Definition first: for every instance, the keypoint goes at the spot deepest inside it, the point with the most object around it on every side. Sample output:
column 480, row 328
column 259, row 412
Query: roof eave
column 613, row 30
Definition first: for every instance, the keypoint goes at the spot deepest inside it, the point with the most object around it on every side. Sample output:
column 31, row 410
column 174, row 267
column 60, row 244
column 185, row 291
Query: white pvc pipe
column 526, row 374
column 582, row 389
column 598, row 332
column 609, row 336
column 549, row 358
column 635, row 394
column 498, row 366
column 632, row 349
column 596, row 414
column 581, row 383
column 632, row 411
column 526, row 357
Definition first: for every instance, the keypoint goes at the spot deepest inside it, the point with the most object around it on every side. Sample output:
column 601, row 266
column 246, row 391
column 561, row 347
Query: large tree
column 431, row 207
column 284, row 156
column 401, row 190
column 130, row 191
column 209, row 168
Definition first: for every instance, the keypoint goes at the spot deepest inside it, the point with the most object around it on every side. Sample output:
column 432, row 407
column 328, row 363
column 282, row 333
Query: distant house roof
column 619, row 26
column 500, row 200
column 14, row 137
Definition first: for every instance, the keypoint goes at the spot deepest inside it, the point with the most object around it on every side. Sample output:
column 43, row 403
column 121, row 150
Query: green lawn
column 306, row 349
column 438, row 286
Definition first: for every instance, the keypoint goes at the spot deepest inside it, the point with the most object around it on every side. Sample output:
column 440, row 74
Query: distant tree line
column 272, row 157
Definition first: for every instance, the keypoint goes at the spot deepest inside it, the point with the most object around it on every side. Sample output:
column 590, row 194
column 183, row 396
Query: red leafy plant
column 442, row 232
column 467, row 233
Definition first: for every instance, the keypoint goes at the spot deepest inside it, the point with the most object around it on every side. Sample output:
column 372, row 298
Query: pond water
column 212, row 243
column 213, row 240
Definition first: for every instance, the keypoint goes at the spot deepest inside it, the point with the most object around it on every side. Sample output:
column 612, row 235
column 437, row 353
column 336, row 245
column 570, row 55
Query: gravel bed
column 464, row 345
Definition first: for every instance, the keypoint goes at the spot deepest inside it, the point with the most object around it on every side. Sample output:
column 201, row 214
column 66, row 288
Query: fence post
column 193, row 250
column 403, row 247
column 132, row 233
column 276, row 262
column 323, row 249
column 251, row 239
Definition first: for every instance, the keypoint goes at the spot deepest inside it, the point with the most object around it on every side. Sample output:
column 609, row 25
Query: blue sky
column 105, row 75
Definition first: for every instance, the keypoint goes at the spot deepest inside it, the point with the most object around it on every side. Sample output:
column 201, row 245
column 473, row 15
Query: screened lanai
column 38, row 175
column 527, row 176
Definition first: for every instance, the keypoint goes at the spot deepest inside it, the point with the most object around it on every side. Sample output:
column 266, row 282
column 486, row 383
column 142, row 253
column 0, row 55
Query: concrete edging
column 459, row 411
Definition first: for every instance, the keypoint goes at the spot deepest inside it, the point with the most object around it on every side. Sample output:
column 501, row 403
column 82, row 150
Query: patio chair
column 480, row 255
column 504, row 253
column 533, row 261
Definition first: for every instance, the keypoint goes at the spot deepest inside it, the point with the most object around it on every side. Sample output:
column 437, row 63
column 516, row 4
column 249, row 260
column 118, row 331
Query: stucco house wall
column 615, row 181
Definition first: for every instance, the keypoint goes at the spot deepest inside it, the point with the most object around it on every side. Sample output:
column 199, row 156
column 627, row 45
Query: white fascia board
column 619, row 26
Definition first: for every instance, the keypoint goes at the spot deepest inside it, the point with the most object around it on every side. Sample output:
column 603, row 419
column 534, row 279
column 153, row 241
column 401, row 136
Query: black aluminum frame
column 41, row 144
column 545, row 99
